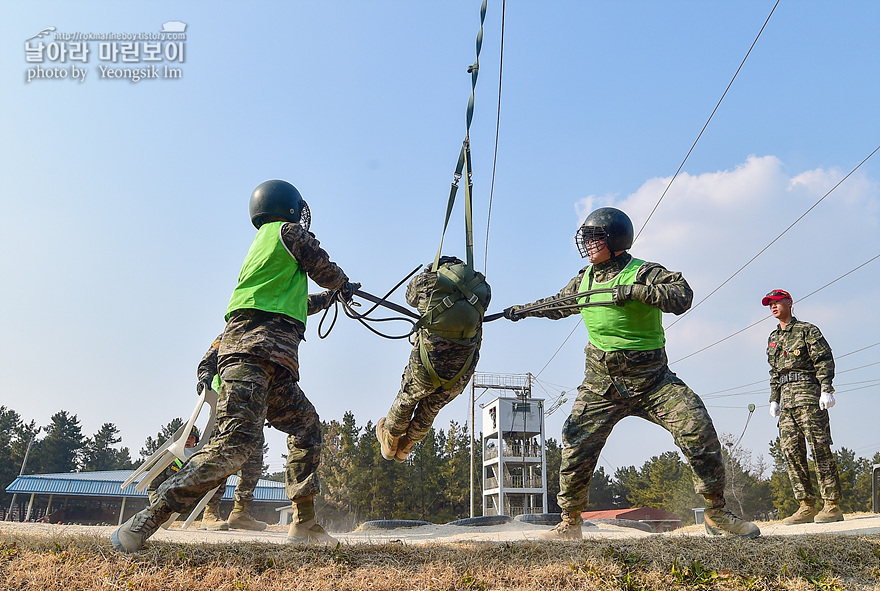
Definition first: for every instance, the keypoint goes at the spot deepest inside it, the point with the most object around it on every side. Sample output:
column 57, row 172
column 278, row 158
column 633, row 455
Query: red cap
column 776, row 294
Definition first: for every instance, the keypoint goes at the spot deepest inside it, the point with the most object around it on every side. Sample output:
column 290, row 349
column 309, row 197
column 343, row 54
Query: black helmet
column 278, row 199
column 194, row 432
column 609, row 224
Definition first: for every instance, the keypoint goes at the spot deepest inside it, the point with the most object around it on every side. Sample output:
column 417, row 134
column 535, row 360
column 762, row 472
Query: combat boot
column 131, row 535
column 309, row 532
column 387, row 441
column 718, row 519
column 241, row 519
column 211, row 519
column 404, row 447
column 804, row 514
column 305, row 529
column 567, row 529
column 830, row 512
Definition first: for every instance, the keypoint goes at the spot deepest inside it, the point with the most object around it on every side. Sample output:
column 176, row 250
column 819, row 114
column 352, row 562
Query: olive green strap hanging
column 436, row 380
column 463, row 166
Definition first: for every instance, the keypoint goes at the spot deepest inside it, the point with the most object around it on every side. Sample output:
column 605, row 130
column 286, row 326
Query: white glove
column 774, row 409
column 826, row 400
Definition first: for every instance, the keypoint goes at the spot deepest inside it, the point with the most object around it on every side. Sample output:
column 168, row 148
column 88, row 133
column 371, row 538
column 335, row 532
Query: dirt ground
column 854, row 524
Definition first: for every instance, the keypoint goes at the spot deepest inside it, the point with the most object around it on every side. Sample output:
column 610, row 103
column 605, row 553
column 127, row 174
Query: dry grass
column 83, row 561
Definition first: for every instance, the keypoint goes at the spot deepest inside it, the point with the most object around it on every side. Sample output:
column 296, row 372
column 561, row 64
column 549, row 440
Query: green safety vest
column 634, row 326
column 270, row 278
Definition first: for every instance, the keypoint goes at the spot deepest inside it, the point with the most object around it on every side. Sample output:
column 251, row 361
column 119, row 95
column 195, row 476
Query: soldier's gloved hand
column 203, row 385
column 346, row 292
column 774, row 409
column 826, row 400
column 512, row 313
column 620, row 294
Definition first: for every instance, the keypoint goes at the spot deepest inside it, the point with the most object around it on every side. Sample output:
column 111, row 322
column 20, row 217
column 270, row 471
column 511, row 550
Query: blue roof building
column 103, row 490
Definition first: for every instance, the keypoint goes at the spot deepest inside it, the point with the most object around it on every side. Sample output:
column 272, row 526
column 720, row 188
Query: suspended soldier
column 626, row 372
column 259, row 370
column 801, row 392
column 452, row 299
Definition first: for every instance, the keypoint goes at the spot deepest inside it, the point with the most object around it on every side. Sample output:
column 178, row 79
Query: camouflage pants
column 247, row 481
column 668, row 403
column 798, row 425
column 253, row 390
column 156, row 482
column 418, row 402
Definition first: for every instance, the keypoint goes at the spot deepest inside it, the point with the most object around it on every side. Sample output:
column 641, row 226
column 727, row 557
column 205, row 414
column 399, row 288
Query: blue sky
column 125, row 204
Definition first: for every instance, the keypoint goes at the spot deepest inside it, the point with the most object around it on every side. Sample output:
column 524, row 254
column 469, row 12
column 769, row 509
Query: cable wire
column 768, row 317
column 686, row 156
column 559, row 349
column 497, row 128
column 857, row 351
column 680, row 166
column 802, row 216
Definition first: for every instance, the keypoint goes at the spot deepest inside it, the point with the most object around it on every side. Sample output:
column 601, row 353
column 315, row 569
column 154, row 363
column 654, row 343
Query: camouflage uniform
column 801, row 366
column 252, row 469
column 259, row 370
column 619, row 384
column 419, row 401
column 167, row 473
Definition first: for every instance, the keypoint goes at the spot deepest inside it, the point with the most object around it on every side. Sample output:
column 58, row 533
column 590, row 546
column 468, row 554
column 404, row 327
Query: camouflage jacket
column 631, row 372
column 274, row 336
column 208, row 365
column 799, row 350
column 446, row 355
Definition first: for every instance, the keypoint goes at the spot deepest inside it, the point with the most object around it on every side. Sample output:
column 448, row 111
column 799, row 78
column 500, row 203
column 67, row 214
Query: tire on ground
column 392, row 524
column 539, row 518
column 482, row 521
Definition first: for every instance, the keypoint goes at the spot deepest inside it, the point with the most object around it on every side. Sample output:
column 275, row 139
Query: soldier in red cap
column 801, row 372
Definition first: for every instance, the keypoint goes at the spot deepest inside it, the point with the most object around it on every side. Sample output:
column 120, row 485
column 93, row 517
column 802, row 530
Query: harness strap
column 436, row 380
column 464, row 290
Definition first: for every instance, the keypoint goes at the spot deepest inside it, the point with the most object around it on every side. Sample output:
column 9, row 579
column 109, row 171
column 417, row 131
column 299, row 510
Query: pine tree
column 852, row 498
column 553, row 457
column 60, row 450
column 14, row 438
column 164, row 434
column 601, row 491
column 98, row 453
column 780, row 486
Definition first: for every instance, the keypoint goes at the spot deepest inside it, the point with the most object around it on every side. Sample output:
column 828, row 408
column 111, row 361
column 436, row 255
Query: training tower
column 514, row 466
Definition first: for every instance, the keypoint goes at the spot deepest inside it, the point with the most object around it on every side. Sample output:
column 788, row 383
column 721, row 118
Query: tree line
column 434, row 484
column 61, row 446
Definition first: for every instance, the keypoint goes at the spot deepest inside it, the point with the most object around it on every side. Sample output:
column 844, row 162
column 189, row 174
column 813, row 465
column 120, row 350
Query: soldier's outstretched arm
column 656, row 286
column 312, row 259
column 571, row 288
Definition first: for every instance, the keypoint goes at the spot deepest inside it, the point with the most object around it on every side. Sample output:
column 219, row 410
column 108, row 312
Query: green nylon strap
column 436, row 380
column 451, row 202
column 464, row 290
column 464, row 160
